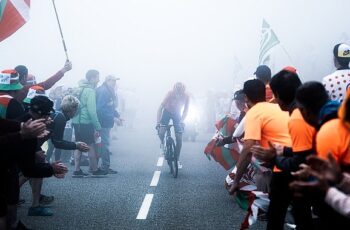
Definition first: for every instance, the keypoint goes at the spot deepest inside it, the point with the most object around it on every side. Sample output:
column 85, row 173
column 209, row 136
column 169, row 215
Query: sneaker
column 99, row 172
column 45, row 200
column 179, row 165
column 80, row 173
column 39, row 211
column 111, row 171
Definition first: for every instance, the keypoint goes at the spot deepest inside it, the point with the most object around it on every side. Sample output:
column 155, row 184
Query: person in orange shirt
column 284, row 86
column 333, row 137
column 339, row 131
column 322, row 113
column 265, row 122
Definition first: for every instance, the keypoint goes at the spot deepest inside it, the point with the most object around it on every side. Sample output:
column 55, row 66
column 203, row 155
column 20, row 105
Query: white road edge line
column 160, row 161
column 146, row 204
column 155, row 179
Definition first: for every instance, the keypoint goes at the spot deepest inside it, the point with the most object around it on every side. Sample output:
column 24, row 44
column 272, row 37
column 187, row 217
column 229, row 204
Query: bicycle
column 169, row 151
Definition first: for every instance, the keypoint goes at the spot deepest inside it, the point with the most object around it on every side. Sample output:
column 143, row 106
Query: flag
column 226, row 157
column 268, row 40
column 13, row 15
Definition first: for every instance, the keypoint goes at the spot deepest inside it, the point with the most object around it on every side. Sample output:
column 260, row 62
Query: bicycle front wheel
column 175, row 166
column 171, row 157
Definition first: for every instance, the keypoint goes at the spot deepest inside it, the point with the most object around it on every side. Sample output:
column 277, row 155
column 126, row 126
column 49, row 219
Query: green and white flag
column 268, row 41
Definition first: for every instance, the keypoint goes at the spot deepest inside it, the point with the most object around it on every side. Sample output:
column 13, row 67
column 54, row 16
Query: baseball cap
column 263, row 70
column 342, row 50
column 111, row 77
column 290, row 69
column 41, row 105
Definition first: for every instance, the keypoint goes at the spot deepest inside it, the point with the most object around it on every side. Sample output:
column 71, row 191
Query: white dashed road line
column 155, row 179
column 160, row 161
column 146, row 204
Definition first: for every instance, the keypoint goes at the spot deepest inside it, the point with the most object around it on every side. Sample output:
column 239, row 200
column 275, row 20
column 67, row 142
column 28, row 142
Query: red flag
column 226, row 157
column 13, row 15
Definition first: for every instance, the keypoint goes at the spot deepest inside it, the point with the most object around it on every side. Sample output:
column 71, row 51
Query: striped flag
column 13, row 15
column 268, row 41
column 226, row 157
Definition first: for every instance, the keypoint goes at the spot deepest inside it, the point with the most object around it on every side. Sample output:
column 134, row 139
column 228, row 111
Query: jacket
column 106, row 102
column 87, row 112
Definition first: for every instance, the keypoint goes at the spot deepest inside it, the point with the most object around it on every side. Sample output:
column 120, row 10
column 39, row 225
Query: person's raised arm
column 48, row 83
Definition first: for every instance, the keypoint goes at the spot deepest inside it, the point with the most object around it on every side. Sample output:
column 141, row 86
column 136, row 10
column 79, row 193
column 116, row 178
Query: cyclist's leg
column 178, row 134
column 178, row 145
column 164, row 120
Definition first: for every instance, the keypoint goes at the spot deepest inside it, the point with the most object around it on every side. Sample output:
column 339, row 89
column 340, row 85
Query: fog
column 209, row 45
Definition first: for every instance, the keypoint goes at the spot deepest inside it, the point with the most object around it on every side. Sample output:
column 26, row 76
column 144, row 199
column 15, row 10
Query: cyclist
column 174, row 107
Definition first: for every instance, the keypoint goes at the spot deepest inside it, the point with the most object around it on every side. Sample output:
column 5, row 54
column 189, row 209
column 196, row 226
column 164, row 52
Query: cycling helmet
column 179, row 87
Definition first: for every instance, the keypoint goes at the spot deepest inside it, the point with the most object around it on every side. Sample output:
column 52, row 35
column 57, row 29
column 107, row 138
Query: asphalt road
column 197, row 199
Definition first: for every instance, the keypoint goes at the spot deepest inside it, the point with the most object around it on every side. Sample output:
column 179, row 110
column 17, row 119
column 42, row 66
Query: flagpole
column 59, row 26
column 290, row 59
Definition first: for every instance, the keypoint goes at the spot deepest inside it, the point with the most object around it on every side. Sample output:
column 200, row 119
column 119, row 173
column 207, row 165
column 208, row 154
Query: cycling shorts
column 176, row 118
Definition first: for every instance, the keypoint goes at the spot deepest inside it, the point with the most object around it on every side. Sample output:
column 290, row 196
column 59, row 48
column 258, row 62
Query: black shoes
column 99, row 172
column 111, row 171
column 21, row 226
column 79, row 173
column 46, row 200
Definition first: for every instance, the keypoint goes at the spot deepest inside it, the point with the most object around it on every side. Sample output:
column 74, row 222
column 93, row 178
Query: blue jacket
column 106, row 104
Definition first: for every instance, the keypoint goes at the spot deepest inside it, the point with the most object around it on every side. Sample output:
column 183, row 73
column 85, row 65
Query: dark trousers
column 328, row 217
column 280, row 198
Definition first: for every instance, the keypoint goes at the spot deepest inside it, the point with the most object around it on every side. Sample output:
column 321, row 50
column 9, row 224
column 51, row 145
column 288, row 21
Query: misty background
column 209, row 45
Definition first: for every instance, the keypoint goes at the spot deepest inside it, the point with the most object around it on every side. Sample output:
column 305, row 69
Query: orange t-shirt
column 302, row 133
column 267, row 122
column 334, row 138
column 174, row 104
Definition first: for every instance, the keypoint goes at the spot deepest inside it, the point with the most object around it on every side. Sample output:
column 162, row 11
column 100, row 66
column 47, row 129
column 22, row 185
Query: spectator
column 23, row 75
column 14, row 137
column 319, row 111
column 263, row 73
column 33, row 91
column 328, row 183
column 69, row 108
column 338, row 82
column 106, row 102
column 265, row 122
column 40, row 107
column 86, row 124
column 284, row 86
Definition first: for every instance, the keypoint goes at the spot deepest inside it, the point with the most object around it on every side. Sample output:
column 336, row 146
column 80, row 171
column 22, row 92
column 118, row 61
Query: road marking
column 146, row 204
column 155, row 179
column 160, row 161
